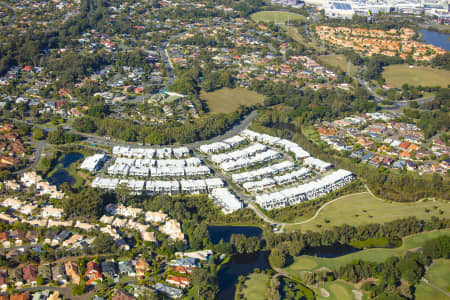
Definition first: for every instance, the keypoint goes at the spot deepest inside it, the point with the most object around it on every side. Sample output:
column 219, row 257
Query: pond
column 239, row 265
column 217, row 233
column 330, row 251
column 70, row 158
column 61, row 175
column 436, row 38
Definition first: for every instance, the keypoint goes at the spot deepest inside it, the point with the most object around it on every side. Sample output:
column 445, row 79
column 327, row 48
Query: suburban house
column 178, row 281
column 93, row 273
column 72, row 271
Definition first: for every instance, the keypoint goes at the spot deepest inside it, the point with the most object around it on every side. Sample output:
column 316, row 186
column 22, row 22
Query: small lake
column 239, row 265
column 61, row 175
column 330, row 251
column 217, row 233
column 436, row 38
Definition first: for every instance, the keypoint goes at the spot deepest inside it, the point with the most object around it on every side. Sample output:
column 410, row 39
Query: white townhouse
column 93, row 163
column 180, row 152
column 234, row 141
column 214, row 183
column 317, row 164
column 53, row 212
column 255, row 186
column 162, row 187
column 308, row 191
column 214, row 147
column 193, row 186
column 292, row 176
column 226, row 200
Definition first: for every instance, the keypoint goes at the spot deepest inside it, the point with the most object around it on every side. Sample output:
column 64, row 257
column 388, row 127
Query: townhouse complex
column 373, row 41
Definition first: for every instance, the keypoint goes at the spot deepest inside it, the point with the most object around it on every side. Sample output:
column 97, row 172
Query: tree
column 38, row 133
column 103, row 243
column 79, row 289
column 87, row 203
column 278, row 258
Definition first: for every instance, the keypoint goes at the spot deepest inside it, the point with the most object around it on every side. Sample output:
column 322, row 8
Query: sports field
column 227, row 100
column 439, row 276
column 364, row 209
column 311, row 263
column 397, row 75
column 339, row 61
column 278, row 17
column 255, row 286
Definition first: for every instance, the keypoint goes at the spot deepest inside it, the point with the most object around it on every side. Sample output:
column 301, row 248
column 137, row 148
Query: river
column 436, row 38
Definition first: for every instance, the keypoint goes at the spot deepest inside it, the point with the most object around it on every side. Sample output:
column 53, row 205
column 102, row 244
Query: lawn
column 228, row 100
column 397, row 75
column 439, row 274
column 426, row 292
column 278, row 17
column 339, row 61
column 311, row 263
column 337, row 290
column 255, row 286
column 364, row 209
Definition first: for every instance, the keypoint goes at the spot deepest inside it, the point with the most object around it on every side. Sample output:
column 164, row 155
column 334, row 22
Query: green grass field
column 278, row 17
column 227, row 100
column 337, row 290
column 364, row 209
column 310, row 263
column 397, row 75
column 438, row 275
column 255, row 286
column 339, row 61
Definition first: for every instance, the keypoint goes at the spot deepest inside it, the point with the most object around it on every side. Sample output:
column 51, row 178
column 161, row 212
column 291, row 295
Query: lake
column 61, row 175
column 436, row 38
column 217, row 233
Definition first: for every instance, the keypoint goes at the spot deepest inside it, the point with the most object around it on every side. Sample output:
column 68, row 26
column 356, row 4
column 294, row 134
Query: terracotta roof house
column 93, row 273
column 30, row 274
column 122, row 296
column 178, row 281
column 142, row 267
column 24, row 296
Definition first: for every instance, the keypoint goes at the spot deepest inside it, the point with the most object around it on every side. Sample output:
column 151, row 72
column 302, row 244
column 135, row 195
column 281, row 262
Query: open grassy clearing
column 339, row 61
column 337, row 290
column 310, row 263
column 228, row 100
column 397, row 75
column 439, row 274
column 278, row 17
column 255, row 286
column 426, row 292
column 364, row 209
